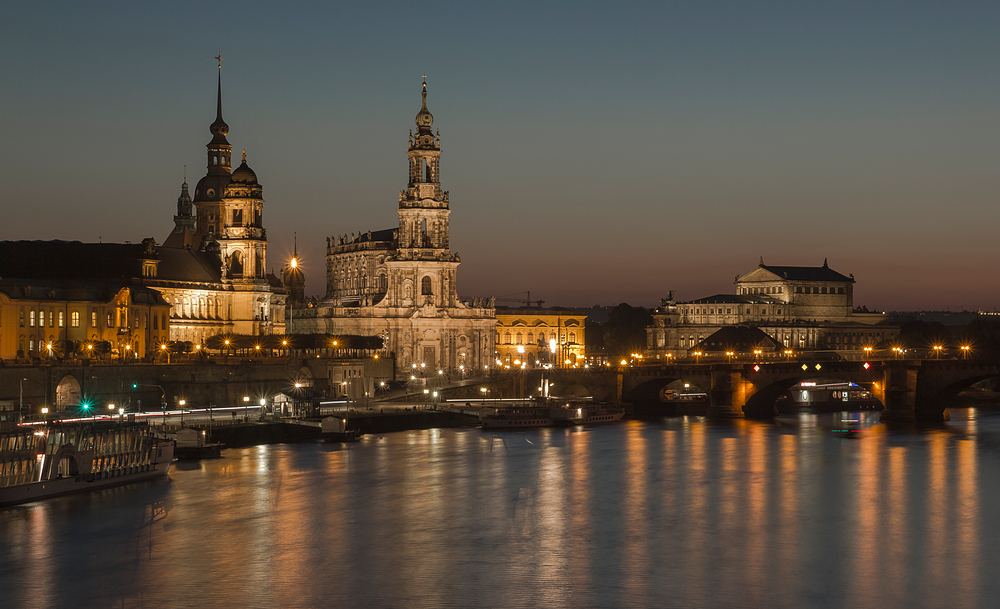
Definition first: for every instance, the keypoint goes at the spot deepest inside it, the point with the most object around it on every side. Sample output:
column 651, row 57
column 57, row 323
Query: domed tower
column 210, row 189
column 423, row 206
column 242, row 238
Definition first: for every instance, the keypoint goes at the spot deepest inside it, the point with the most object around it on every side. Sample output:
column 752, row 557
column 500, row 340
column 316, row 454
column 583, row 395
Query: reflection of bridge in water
column 909, row 390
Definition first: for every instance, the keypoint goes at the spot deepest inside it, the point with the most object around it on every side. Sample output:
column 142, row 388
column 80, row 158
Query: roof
column 74, row 261
column 797, row 273
column 738, row 339
column 182, row 264
column 735, row 299
column 19, row 289
column 70, row 260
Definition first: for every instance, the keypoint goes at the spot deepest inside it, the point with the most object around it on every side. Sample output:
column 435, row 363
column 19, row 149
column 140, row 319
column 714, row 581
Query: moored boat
column 48, row 459
column 585, row 414
column 516, row 417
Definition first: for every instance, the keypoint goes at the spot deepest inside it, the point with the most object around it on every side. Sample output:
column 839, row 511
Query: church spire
column 219, row 149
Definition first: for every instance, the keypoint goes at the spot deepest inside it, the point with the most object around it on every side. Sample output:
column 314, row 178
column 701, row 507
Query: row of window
column 798, row 290
column 58, row 319
column 729, row 311
column 519, row 338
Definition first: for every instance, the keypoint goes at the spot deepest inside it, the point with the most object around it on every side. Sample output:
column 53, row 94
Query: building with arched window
column 802, row 308
column 400, row 283
column 536, row 336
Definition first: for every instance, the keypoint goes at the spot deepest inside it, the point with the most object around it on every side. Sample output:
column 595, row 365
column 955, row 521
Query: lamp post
column 965, row 351
column 937, row 351
column 246, row 407
column 868, row 352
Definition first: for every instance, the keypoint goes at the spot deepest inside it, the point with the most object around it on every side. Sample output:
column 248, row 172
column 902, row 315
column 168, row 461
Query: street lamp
column 965, row 351
column 868, row 352
column 937, row 351
column 729, row 354
column 697, row 357
column 246, row 407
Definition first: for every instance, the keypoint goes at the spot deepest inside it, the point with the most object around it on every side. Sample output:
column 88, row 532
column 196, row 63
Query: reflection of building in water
column 802, row 308
column 550, row 335
column 401, row 283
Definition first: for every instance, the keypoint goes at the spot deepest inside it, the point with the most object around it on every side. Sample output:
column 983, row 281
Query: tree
column 625, row 330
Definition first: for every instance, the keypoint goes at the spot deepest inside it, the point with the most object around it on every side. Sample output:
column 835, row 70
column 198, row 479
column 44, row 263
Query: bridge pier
column 899, row 383
column 726, row 397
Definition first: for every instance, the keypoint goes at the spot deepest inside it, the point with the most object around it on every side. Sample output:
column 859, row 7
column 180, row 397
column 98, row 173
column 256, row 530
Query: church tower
column 423, row 218
column 211, row 188
column 423, row 206
column 184, row 222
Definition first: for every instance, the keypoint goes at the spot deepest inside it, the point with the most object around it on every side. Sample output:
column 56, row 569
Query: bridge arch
column 67, row 392
column 936, row 401
column 761, row 400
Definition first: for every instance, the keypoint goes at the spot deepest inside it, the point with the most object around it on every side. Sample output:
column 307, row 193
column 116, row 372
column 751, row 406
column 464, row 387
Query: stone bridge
column 910, row 390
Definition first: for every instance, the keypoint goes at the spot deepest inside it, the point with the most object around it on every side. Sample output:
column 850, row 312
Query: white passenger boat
column 39, row 461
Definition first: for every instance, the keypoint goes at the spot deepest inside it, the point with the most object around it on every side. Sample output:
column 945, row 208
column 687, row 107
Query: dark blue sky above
column 595, row 153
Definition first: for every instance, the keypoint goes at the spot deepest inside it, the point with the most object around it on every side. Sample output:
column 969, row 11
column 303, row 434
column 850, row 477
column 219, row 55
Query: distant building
column 802, row 308
column 539, row 336
column 400, row 283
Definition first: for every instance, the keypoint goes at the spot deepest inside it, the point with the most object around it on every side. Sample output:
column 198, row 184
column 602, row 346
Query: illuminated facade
column 39, row 318
column 214, row 261
column 400, row 283
column 537, row 337
column 802, row 308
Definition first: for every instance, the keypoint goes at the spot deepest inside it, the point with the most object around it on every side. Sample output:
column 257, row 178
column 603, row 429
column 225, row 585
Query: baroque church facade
column 802, row 308
column 401, row 283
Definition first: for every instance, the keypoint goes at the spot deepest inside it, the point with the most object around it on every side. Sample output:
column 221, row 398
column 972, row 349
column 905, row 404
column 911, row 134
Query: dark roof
column 19, row 289
column 181, row 264
column 73, row 260
column 103, row 262
column 376, row 235
column 735, row 299
column 739, row 339
column 807, row 273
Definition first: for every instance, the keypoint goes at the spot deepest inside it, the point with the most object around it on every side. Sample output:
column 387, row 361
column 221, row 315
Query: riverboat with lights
column 43, row 460
column 521, row 416
column 580, row 413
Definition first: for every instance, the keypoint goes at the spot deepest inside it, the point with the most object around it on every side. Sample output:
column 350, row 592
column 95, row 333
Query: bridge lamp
column 111, row 406
column 937, row 351
column 965, row 351
column 687, row 385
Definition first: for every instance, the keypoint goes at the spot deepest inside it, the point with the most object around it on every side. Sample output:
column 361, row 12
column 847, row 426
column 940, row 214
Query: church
column 400, row 283
column 213, row 268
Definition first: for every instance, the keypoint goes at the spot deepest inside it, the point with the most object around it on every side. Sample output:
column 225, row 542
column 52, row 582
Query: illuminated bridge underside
column 909, row 390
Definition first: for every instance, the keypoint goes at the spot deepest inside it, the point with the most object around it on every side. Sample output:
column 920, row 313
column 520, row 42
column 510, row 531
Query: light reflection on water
column 682, row 512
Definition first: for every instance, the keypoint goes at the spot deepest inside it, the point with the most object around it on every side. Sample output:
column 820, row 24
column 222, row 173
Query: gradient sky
column 595, row 153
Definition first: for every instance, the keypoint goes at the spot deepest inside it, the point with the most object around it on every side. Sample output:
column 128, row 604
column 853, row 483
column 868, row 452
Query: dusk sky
column 594, row 153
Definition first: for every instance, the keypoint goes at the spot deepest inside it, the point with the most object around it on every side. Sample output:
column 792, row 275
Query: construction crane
column 521, row 298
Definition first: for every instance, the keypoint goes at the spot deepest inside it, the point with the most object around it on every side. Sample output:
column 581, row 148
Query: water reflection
column 680, row 513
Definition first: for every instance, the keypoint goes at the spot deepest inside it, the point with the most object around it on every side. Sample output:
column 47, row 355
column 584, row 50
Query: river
column 681, row 512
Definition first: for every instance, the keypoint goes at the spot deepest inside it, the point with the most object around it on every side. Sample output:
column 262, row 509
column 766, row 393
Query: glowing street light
column 937, row 351
column 965, row 351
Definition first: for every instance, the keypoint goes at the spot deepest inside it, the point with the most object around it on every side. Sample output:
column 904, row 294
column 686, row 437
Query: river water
column 678, row 513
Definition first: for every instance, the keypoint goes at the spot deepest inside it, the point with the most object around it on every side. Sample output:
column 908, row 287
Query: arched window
column 425, row 287
column 236, row 264
column 572, row 337
column 506, row 338
column 31, row 319
column 519, row 339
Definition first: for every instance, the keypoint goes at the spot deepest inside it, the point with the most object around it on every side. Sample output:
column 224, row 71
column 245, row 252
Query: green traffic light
column 135, row 385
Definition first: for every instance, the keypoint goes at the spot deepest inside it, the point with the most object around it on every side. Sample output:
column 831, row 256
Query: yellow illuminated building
column 536, row 337
column 40, row 320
